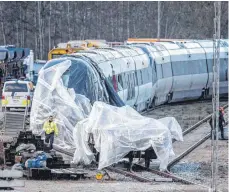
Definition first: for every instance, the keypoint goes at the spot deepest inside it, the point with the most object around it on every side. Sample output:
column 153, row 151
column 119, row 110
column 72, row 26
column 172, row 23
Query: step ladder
column 14, row 122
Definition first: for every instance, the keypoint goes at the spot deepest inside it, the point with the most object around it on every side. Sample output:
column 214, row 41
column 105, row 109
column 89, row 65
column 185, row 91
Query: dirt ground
column 72, row 186
column 200, row 162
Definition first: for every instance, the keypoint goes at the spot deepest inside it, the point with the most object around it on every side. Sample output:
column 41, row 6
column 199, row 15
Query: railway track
column 152, row 174
column 201, row 134
column 143, row 174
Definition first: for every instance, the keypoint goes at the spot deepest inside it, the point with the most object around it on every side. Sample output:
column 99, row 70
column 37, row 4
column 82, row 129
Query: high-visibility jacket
column 50, row 127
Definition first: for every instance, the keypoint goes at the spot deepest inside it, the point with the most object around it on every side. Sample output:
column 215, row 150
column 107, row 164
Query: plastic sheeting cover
column 119, row 130
column 53, row 97
column 66, row 88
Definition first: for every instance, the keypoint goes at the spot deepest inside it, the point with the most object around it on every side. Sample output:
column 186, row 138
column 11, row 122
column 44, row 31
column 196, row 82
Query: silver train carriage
column 147, row 75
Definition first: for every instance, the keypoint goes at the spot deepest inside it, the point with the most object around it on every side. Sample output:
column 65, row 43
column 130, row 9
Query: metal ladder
column 14, row 122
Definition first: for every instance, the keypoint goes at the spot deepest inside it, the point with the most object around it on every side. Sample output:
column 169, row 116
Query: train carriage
column 195, row 69
column 151, row 69
column 207, row 45
column 164, row 72
column 160, row 72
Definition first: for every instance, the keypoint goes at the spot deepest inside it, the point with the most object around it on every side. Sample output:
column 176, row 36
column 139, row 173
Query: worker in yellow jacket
column 50, row 129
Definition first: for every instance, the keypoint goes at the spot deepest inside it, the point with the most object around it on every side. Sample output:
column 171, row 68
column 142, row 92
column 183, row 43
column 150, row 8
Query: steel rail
column 189, row 150
column 112, row 169
column 129, row 174
column 195, row 145
column 200, row 122
column 165, row 174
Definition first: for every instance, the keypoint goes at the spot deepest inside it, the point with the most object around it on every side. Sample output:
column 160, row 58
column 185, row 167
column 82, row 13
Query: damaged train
column 137, row 75
column 148, row 75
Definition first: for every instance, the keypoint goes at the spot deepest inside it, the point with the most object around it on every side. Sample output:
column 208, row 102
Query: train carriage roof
column 168, row 45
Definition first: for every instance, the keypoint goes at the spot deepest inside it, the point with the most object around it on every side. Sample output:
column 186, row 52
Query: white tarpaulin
column 119, row 130
column 51, row 97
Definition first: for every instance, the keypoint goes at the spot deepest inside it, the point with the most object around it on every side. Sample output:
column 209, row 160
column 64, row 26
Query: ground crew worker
column 221, row 122
column 50, row 129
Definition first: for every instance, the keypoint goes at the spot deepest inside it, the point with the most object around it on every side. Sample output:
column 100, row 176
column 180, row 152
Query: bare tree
column 41, row 25
column 2, row 23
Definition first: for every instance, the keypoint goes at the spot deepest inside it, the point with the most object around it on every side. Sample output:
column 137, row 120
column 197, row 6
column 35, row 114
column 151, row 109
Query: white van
column 17, row 94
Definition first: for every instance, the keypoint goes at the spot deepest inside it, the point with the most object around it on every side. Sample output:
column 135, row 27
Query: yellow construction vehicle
column 75, row 46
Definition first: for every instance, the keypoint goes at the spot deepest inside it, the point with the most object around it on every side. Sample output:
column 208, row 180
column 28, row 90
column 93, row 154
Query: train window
column 166, row 70
column 124, row 80
column 133, row 77
column 119, row 87
column 147, row 75
column 223, row 69
column 198, row 66
column 114, row 82
column 134, row 84
column 128, row 80
column 120, row 80
column 159, row 71
column 210, row 65
column 144, row 76
column 193, row 67
column 179, row 68
column 138, row 76
column 141, row 77
column 202, row 66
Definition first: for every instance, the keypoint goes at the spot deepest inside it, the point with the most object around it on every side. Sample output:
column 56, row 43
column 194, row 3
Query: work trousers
column 221, row 130
column 49, row 137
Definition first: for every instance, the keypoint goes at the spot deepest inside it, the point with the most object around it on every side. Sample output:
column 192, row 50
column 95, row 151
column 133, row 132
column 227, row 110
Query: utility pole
column 158, row 19
column 215, row 95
